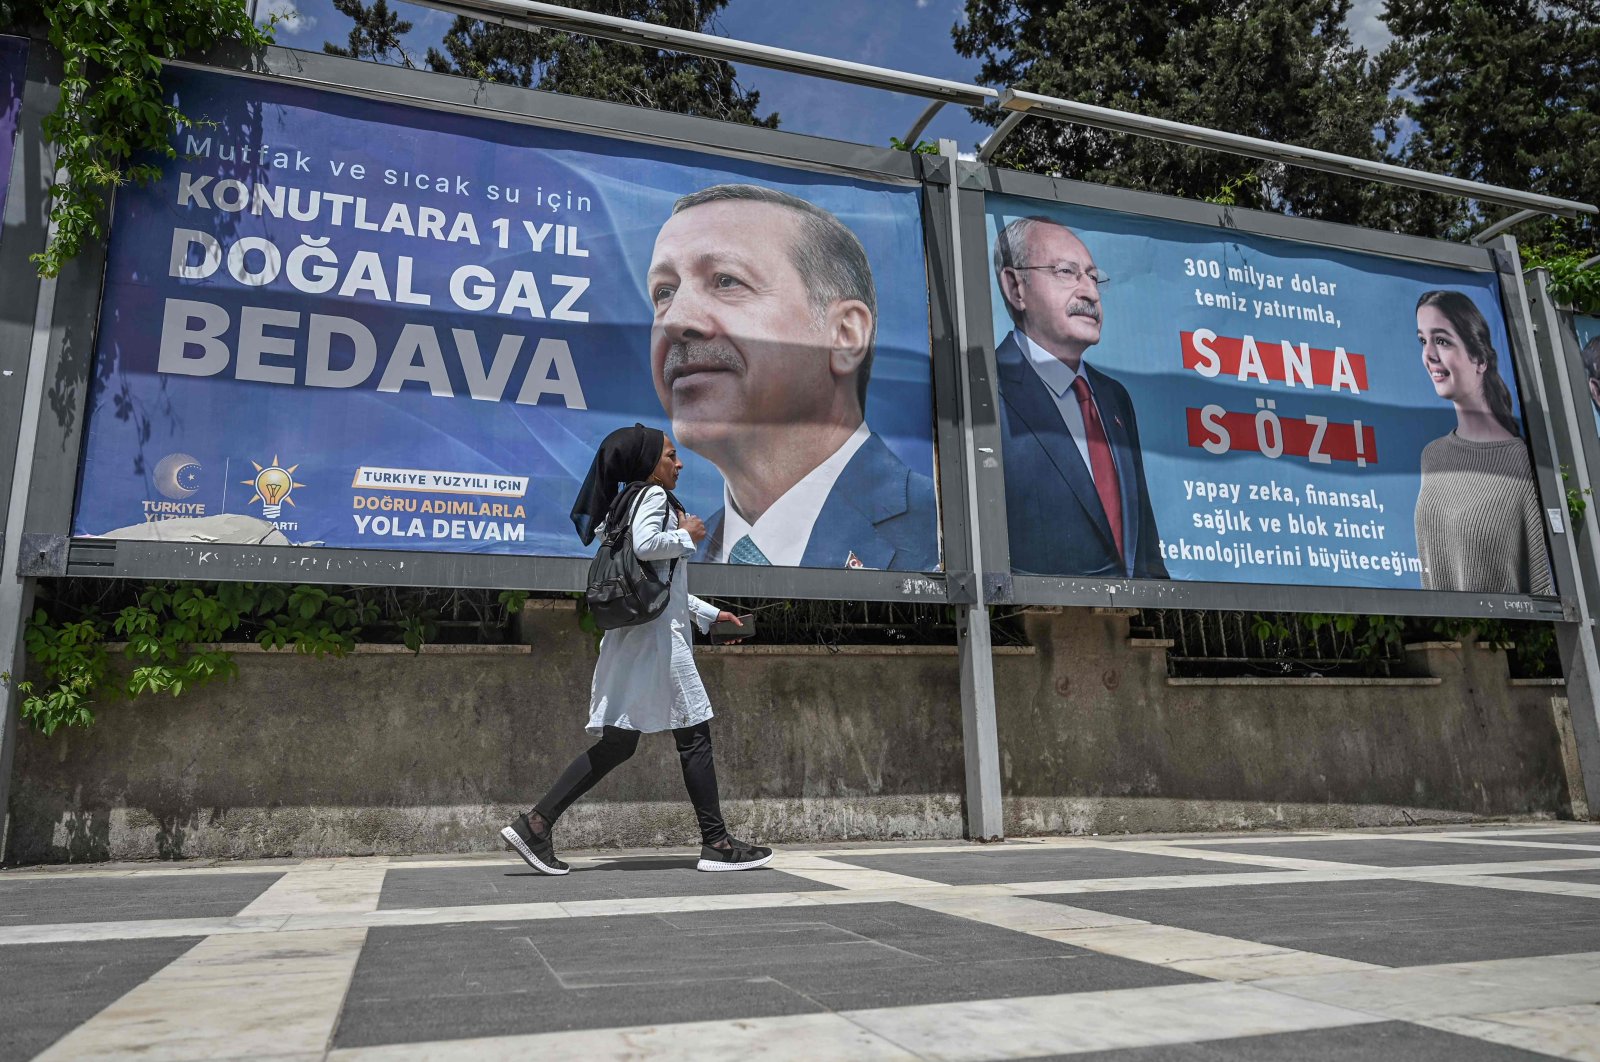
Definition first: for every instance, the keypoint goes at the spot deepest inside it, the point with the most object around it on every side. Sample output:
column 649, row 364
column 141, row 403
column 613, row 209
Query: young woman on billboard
column 1479, row 525
column 645, row 681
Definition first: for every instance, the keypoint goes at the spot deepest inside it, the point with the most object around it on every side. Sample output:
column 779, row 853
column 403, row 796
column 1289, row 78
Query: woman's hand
column 694, row 525
column 727, row 617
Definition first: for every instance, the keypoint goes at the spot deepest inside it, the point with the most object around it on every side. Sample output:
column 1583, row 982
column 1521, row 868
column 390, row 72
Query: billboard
column 339, row 322
column 1189, row 403
column 13, row 68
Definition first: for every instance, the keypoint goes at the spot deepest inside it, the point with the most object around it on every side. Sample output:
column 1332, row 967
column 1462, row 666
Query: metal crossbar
column 531, row 14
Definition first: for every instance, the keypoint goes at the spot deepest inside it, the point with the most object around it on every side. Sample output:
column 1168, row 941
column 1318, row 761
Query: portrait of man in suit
column 1076, row 498
column 765, row 318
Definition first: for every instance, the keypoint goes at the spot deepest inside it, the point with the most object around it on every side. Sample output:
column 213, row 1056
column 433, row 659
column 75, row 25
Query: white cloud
column 1366, row 26
column 291, row 20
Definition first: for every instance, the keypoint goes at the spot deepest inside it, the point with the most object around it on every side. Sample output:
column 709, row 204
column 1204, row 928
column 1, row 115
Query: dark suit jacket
column 878, row 509
column 1053, row 513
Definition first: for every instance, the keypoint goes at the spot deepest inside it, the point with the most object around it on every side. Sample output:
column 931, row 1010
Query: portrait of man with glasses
column 1076, row 498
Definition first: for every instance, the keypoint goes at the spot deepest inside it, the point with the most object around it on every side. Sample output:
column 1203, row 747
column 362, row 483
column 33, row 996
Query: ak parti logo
column 273, row 485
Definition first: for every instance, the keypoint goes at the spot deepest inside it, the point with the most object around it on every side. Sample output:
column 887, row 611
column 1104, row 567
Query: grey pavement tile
column 1390, row 923
column 1389, row 852
column 51, row 989
column 1391, row 1040
column 199, row 895
column 1060, row 864
column 417, row 983
column 1589, row 837
column 624, row 879
column 1581, row 877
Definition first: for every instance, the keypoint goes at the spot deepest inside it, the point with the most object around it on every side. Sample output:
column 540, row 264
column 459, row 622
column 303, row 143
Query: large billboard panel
column 13, row 68
column 340, row 322
column 1190, row 403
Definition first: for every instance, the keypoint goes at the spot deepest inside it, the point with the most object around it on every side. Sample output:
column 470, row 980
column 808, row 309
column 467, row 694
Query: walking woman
column 645, row 681
column 1479, row 525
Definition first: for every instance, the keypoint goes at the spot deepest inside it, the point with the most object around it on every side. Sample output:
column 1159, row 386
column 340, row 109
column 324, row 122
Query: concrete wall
column 386, row 751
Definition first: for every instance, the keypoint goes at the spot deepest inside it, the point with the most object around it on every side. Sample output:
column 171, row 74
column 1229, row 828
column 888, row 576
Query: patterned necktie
column 1101, row 466
column 746, row 551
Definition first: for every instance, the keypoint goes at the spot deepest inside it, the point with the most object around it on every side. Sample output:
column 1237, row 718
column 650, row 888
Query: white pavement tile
column 273, row 995
column 339, row 889
column 1500, row 842
column 1461, row 989
column 1510, row 883
column 806, row 1038
column 1565, row 1032
column 1016, row 913
column 138, row 929
column 1261, row 859
column 1204, row 954
column 845, row 876
column 1096, row 1021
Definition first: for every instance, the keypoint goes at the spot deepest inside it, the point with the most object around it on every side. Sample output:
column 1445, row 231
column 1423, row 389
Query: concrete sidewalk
column 1453, row 945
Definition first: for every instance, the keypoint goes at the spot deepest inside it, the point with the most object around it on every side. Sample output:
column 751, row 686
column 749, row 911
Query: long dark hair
column 1470, row 324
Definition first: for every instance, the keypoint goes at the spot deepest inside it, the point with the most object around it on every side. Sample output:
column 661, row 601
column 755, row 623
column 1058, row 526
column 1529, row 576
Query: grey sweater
column 1479, row 527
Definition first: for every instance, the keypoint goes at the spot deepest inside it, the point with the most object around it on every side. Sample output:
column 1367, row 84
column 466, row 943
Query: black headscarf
column 624, row 461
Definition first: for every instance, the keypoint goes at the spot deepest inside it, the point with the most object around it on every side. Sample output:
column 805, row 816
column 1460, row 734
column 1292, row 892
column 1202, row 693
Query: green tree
column 1506, row 92
column 113, row 119
column 376, row 35
column 607, row 70
column 1283, row 70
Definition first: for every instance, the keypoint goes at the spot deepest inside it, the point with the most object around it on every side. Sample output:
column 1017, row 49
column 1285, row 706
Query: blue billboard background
column 1169, row 281
column 208, row 398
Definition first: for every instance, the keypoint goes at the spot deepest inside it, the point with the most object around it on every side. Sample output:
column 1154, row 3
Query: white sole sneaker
column 527, row 854
column 712, row 865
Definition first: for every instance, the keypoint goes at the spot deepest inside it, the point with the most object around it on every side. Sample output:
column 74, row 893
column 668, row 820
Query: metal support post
column 25, row 307
column 1570, row 418
column 921, row 124
column 1505, row 224
column 980, row 735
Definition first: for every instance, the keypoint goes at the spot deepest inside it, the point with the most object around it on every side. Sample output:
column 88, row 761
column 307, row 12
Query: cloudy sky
column 911, row 35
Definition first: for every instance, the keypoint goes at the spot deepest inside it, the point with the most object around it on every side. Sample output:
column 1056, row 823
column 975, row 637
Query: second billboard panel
column 1184, row 402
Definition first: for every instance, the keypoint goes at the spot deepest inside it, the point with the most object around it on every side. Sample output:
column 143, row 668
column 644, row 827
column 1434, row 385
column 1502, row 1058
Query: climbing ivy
column 177, row 635
column 112, row 116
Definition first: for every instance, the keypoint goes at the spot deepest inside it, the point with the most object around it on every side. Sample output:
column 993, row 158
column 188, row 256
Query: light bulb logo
column 273, row 484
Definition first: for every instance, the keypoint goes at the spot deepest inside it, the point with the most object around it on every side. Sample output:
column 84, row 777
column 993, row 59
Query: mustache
column 1083, row 307
column 699, row 355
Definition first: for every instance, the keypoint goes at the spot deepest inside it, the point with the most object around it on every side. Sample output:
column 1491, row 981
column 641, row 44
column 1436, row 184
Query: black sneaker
column 737, row 856
column 535, row 849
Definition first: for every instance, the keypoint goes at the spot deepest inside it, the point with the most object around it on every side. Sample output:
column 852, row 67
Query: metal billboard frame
column 977, row 181
column 51, row 551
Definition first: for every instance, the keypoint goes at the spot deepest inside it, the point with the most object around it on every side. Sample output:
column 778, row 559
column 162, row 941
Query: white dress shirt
column 784, row 529
column 1058, row 376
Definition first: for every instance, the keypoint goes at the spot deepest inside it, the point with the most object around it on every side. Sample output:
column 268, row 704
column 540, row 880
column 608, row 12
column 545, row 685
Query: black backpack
column 622, row 589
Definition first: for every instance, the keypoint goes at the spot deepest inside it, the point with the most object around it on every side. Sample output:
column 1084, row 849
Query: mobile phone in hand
column 722, row 631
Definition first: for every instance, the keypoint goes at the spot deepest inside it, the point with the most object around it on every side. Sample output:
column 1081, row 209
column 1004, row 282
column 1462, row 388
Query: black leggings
column 615, row 746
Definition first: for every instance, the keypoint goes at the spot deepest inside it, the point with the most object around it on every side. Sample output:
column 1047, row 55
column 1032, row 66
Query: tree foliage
column 1502, row 91
column 607, row 70
column 1508, row 92
column 1283, row 70
column 377, row 33
column 112, row 117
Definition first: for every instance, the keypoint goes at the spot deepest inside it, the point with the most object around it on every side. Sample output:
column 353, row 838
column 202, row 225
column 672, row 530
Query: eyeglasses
column 1071, row 274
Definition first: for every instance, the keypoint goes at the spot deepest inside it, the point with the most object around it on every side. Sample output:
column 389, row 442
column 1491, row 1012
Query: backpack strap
column 672, row 565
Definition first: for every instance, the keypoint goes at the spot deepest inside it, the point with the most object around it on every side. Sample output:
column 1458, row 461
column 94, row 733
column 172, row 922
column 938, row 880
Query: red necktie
column 1101, row 466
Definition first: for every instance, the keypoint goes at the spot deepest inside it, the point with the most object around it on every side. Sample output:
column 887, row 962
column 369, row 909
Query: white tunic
column 645, row 679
